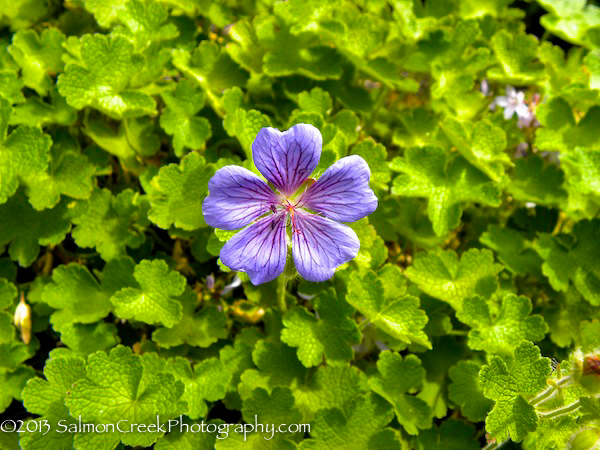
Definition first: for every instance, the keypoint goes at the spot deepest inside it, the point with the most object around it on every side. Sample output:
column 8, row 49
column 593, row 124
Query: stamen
column 290, row 208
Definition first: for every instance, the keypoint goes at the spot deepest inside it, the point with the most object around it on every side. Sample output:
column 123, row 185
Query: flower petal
column 259, row 250
column 287, row 158
column 342, row 192
column 509, row 111
column 237, row 197
column 501, row 101
column 319, row 245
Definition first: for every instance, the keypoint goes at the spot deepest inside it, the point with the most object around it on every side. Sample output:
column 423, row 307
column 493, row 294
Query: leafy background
column 480, row 264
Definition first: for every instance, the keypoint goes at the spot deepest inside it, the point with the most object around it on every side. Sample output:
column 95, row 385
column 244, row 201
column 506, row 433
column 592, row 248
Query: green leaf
column 245, row 48
column 84, row 339
column 481, row 143
column 76, row 296
column 105, row 12
column 566, row 316
column 376, row 156
column 284, row 52
column 262, row 407
column 373, row 252
column 443, row 276
column 179, row 118
column 14, row 353
column 70, row 173
column 427, row 173
column 178, row 193
column 330, row 387
column 558, row 433
column 571, row 20
column 145, row 22
column 7, row 331
column 316, row 101
column 512, row 415
column 109, row 224
column 466, row 392
column 47, row 399
column 382, row 298
column 25, row 229
column 8, row 292
column 535, row 181
column 123, row 386
column 113, row 141
column 200, row 329
column 276, row 407
column 513, row 250
column 590, row 335
column 237, row 359
column 362, row 423
column 24, row 152
column 154, row 299
column 205, row 381
column 101, row 75
column 277, row 365
column 396, row 377
column 10, row 87
column 452, row 434
column 583, row 171
column 304, row 14
column 575, row 262
column 330, row 336
column 517, row 54
column 12, row 385
column 245, row 125
column 39, row 56
column 500, row 332
column 561, row 132
column 417, row 128
column 211, row 68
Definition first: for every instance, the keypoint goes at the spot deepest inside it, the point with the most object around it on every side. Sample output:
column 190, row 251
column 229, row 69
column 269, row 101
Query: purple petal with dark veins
column 342, row 192
column 319, row 245
column 287, row 158
column 259, row 250
column 237, row 197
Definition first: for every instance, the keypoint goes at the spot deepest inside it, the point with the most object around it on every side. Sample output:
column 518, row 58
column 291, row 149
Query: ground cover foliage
column 469, row 318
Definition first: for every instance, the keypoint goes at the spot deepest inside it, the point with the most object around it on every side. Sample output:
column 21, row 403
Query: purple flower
column 297, row 212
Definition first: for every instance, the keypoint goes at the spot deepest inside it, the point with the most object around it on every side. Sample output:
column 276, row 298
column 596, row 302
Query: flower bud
column 22, row 319
column 585, row 439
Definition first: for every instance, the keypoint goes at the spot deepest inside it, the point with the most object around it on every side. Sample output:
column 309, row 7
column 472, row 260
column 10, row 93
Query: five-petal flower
column 299, row 211
column 514, row 102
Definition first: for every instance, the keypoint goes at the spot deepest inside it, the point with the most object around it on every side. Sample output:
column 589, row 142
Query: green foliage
column 501, row 333
column 512, row 415
column 427, row 172
column 443, row 276
column 396, row 377
column 328, row 337
column 383, row 299
column 154, row 297
column 114, row 306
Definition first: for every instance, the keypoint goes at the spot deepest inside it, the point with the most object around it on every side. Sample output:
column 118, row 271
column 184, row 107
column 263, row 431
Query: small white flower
column 514, row 102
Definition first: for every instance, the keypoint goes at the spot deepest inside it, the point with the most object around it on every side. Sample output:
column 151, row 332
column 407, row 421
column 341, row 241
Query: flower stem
column 549, row 390
column 561, row 411
column 493, row 445
column 281, row 282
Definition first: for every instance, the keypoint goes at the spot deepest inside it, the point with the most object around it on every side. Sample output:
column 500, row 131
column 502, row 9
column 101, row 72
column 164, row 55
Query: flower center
column 289, row 206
